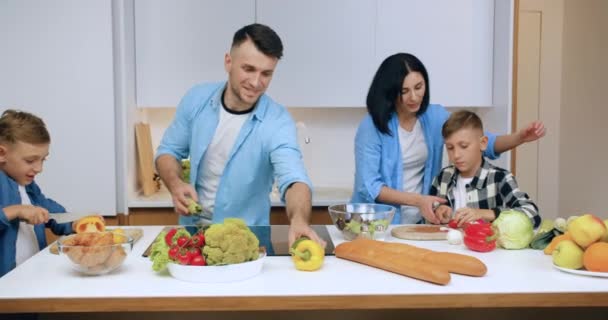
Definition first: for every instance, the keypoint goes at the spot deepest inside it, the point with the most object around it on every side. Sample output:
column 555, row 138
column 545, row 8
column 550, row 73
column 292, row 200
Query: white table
column 515, row 279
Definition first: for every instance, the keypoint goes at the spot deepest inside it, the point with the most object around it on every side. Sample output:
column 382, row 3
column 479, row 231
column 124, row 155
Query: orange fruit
column 595, row 257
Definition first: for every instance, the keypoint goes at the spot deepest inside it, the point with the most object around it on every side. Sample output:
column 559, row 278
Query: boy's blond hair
column 461, row 120
column 22, row 126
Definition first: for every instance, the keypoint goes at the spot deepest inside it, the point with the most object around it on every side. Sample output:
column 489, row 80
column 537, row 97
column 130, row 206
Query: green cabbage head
column 515, row 229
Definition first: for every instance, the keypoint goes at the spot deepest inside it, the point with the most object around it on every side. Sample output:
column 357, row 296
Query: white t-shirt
column 460, row 192
column 414, row 154
column 215, row 158
column 27, row 243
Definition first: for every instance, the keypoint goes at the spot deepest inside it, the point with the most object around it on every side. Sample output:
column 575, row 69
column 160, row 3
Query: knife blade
column 66, row 217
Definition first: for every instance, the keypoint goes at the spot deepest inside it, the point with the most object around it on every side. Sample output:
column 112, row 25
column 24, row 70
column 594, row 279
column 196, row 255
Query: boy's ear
column 3, row 152
column 484, row 143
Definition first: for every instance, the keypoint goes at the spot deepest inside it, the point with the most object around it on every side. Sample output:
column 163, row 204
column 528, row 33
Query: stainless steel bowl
column 369, row 220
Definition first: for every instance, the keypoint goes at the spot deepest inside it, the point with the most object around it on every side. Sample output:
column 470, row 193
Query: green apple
column 568, row 254
column 586, row 230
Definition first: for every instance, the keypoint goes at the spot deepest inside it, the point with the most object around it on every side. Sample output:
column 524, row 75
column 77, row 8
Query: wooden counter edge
column 426, row 301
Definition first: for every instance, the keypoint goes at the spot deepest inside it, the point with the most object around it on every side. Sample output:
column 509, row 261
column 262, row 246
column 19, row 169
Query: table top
column 515, row 278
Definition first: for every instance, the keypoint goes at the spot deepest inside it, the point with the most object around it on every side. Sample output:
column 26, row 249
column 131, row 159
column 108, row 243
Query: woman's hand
column 426, row 205
column 532, row 132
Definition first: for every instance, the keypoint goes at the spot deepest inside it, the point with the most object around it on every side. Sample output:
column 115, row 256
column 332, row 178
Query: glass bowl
column 95, row 253
column 369, row 220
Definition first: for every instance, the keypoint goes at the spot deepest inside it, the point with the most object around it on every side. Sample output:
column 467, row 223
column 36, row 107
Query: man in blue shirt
column 239, row 140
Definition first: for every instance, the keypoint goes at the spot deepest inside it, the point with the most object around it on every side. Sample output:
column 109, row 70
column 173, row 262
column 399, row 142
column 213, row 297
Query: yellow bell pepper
column 307, row 255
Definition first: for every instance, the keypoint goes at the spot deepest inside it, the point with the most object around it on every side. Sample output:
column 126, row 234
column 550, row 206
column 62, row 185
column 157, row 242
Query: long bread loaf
column 453, row 262
column 372, row 254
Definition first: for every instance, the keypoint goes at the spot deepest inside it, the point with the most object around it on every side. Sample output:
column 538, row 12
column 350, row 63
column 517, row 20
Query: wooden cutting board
column 419, row 232
column 145, row 159
column 135, row 233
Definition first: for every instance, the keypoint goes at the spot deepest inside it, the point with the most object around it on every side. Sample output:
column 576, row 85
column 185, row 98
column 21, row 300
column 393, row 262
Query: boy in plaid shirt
column 474, row 188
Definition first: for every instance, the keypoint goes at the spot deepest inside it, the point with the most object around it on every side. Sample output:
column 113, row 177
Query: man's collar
column 259, row 110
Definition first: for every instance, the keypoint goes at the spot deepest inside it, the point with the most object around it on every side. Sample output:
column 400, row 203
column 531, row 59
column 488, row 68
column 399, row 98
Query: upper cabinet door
column 454, row 39
column 328, row 51
column 181, row 43
column 56, row 62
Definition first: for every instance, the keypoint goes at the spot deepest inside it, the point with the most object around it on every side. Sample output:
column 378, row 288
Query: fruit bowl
column 216, row 274
column 369, row 220
column 95, row 253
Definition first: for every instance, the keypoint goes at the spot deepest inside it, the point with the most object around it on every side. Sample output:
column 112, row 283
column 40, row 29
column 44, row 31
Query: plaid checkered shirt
column 492, row 188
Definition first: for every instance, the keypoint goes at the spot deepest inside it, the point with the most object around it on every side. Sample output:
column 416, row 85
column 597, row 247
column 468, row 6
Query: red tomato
column 198, row 261
column 197, row 240
column 453, row 224
column 194, row 252
column 169, row 236
column 183, row 257
column 173, row 251
column 183, row 241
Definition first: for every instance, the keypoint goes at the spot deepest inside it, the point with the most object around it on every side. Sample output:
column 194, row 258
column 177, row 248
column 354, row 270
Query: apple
column 586, row 230
column 605, row 238
column 568, row 254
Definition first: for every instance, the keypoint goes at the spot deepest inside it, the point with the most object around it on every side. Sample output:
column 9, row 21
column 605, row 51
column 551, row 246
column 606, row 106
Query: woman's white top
column 414, row 154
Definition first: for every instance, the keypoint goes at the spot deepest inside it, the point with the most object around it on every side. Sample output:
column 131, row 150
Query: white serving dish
column 216, row 274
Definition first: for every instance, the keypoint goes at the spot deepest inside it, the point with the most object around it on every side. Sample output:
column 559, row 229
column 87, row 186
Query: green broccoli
column 159, row 253
column 186, row 170
column 230, row 242
column 194, row 207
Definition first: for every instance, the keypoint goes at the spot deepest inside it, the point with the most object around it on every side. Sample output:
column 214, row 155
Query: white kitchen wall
column 583, row 130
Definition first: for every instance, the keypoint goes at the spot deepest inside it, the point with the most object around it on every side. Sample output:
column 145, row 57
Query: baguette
column 370, row 253
column 453, row 262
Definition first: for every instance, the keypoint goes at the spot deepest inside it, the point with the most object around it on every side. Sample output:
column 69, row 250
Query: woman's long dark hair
column 386, row 88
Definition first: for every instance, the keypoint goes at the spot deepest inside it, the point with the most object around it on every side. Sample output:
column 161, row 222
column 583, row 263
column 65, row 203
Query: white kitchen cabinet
column 328, row 51
column 56, row 62
column 181, row 43
column 454, row 39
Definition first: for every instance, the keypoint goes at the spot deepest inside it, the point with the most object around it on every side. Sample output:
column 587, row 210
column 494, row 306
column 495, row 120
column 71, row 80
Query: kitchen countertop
column 322, row 196
column 516, row 278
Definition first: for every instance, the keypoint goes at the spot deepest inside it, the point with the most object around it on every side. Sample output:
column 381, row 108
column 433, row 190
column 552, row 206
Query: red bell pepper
column 480, row 236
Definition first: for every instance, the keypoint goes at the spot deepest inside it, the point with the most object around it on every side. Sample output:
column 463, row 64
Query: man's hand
column 180, row 194
column 425, row 204
column 532, row 132
column 444, row 213
column 298, row 229
column 32, row 214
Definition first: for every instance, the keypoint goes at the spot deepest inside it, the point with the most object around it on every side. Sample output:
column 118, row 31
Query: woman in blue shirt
column 399, row 146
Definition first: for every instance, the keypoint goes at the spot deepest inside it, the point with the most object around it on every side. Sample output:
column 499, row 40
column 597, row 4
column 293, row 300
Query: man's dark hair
column 262, row 36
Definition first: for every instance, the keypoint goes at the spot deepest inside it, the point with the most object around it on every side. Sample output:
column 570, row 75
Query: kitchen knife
column 66, row 217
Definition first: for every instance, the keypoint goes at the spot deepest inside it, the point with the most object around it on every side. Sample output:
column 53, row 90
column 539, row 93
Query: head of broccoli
column 230, row 242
